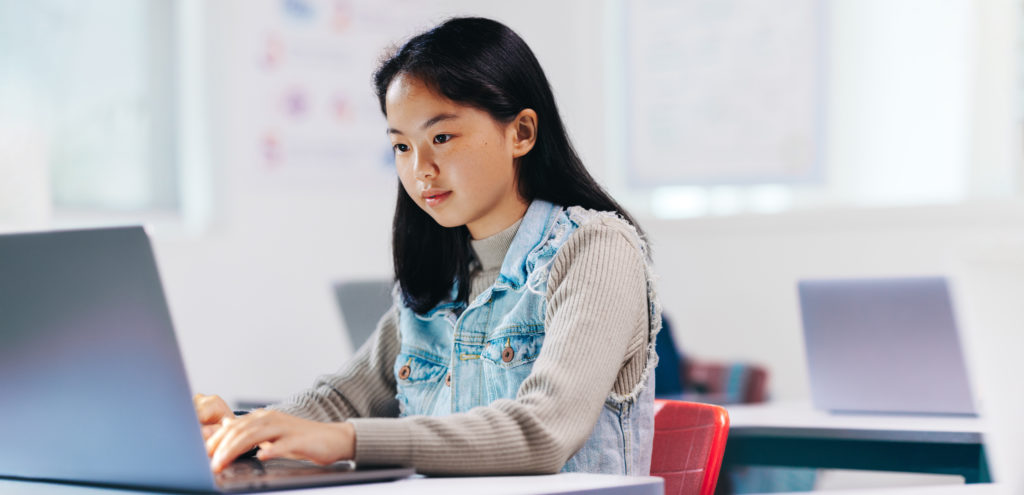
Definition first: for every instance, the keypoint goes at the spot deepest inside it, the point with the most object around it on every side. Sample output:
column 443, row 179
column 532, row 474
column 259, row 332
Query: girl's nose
column 425, row 167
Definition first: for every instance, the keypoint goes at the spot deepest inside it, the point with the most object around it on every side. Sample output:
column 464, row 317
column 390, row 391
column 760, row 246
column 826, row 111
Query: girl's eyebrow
column 429, row 122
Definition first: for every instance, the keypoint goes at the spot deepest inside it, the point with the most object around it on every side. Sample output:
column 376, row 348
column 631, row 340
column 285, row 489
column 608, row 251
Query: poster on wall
column 724, row 91
column 309, row 112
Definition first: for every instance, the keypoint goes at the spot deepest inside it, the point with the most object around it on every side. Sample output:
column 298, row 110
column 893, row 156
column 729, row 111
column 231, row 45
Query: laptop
column 362, row 304
column 93, row 385
column 884, row 345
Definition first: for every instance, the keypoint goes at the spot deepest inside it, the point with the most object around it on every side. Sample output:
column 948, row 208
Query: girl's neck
column 501, row 218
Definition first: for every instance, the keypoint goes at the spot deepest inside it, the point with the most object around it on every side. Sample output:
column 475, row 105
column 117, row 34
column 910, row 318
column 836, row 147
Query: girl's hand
column 211, row 410
column 280, row 435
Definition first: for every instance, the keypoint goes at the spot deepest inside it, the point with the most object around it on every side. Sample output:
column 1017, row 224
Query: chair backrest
column 668, row 376
column 678, row 377
column 689, row 442
column 726, row 383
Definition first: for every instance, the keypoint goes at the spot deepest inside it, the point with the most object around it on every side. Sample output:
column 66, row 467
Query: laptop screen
column 883, row 345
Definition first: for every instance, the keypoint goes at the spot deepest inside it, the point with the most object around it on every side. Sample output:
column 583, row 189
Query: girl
column 522, row 335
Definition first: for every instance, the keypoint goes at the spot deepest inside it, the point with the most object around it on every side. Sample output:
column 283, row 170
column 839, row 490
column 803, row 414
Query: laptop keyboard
column 250, row 468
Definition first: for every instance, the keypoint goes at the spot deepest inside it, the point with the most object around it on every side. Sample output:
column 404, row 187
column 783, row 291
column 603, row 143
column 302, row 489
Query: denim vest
column 457, row 357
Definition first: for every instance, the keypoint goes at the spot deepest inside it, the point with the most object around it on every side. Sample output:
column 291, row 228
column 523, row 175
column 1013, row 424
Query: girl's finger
column 287, row 446
column 225, row 436
column 226, row 427
column 218, row 436
column 209, row 430
column 210, row 409
column 240, row 440
column 266, row 451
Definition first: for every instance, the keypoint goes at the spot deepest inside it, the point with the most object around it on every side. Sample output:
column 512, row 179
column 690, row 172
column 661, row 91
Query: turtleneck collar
column 490, row 252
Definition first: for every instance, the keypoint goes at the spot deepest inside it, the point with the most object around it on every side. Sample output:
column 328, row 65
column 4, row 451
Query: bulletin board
column 724, row 91
column 309, row 114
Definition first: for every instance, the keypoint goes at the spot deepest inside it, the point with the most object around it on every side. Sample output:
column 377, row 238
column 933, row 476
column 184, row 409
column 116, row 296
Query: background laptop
column 362, row 304
column 884, row 345
column 94, row 389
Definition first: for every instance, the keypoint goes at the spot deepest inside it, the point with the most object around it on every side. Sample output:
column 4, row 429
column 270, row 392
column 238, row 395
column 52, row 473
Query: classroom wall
column 250, row 293
column 729, row 284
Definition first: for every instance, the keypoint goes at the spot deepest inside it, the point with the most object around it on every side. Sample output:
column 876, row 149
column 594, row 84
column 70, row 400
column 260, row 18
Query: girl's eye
column 442, row 138
column 401, row 148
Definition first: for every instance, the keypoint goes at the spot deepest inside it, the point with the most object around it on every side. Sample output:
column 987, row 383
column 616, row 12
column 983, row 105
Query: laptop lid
column 362, row 304
column 94, row 388
column 883, row 345
column 92, row 381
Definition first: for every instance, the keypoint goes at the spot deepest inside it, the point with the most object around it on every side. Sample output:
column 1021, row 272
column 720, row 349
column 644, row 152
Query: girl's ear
column 524, row 128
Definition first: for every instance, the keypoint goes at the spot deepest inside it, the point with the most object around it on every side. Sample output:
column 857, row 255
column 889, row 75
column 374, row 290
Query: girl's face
column 456, row 162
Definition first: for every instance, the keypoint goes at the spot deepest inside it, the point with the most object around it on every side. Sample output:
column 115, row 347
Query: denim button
column 404, row 372
column 448, row 379
column 508, row 354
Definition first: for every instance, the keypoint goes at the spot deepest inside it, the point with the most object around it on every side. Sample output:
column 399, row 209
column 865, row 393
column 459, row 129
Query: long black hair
column 484, row 64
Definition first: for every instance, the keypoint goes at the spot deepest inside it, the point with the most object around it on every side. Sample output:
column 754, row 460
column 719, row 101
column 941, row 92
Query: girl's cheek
column 403, row 177
column 403, row 170
column 407, row 183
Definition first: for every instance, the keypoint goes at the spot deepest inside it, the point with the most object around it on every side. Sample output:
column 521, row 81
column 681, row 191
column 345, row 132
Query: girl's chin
column 446, row 221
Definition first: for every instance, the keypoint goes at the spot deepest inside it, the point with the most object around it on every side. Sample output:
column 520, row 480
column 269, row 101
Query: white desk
column 564, row 483
column 795, row 434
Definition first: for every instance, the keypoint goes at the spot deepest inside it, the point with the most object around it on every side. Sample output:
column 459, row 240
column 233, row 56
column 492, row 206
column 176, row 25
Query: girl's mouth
column 436, row 199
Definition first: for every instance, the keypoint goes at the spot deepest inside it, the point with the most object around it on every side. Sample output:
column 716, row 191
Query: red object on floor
column 689, row 442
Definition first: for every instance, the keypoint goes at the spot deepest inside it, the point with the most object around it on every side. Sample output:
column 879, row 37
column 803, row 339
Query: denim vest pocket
column 418, row 379
column 507, row 359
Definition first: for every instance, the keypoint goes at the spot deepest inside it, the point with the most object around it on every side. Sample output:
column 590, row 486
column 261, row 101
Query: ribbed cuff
column 383, row 441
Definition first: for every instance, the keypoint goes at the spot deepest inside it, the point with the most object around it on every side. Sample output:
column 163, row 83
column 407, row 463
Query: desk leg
column 982, row 475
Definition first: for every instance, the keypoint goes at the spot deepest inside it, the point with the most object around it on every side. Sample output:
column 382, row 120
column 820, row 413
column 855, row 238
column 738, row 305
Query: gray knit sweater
column 596, row 337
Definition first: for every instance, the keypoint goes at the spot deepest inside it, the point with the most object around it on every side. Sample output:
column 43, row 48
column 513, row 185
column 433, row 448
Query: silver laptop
column 92, row 382
column 884, row 346
column 362, row 304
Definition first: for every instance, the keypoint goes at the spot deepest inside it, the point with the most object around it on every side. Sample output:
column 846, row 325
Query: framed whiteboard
column 723, row 91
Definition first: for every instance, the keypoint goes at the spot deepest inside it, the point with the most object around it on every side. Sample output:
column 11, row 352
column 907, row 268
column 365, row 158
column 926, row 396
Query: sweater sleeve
column 364, row 387
column 597, row 303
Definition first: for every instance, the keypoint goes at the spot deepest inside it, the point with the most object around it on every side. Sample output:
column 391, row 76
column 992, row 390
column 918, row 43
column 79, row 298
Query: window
column 907, row 104
column 93, row 85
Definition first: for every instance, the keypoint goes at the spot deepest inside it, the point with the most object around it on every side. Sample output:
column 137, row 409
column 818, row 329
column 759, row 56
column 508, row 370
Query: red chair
column 689, row 442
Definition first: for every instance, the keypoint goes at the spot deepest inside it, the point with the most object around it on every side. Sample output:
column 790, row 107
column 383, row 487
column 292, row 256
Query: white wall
column 251, row 297
column 729, row 284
